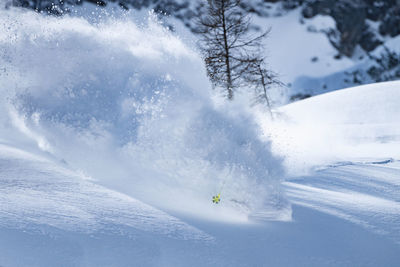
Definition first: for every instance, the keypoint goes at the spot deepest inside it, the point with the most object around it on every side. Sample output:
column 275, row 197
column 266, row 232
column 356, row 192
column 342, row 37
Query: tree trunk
column 38, row 5
column 227, row 62
column 265, row 91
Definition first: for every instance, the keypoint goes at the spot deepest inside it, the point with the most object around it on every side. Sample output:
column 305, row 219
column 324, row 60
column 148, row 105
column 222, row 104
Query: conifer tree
column 232, row 55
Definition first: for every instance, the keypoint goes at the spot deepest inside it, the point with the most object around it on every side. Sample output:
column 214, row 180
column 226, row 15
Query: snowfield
column 112, row 145
column 363, row 193
column 37, row 192
column 345, row 125
column 346, row 144
column 53, row 216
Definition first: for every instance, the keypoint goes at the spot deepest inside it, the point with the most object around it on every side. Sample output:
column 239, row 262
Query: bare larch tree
column 232, row 55
column 259, row 78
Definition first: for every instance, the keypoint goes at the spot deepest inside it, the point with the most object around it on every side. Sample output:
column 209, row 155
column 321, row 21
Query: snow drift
column 353, row 124
column 130, row 106
column 36, row 192
column 342, row 151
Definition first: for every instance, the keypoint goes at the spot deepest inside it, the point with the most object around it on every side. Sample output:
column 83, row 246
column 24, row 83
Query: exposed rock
column 299, row 96
column 369, row 41
column 350, row 18
column 391, row 22
column 350, row 15
column 376, row 9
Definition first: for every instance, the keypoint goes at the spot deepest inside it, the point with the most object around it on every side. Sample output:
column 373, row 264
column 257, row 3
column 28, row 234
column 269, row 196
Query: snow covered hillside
column 300, row 51
column 347, row 145
column 50, row 215
column 112, row 145
column 349, row 124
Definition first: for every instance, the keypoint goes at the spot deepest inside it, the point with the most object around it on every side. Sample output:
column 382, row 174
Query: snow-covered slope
column 347, row 145
column 53, row 216
column 365, row 193
column 349, row 124
column 36, row 192
column 112, row 146
column 292, row 45
column 299, row 50
column 50, row 215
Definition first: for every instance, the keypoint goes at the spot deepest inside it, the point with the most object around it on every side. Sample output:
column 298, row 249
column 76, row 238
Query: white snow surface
column 342, row 151
column 299, row 51
column 111, row 146
column 350, row 124
column 291, row 45
column 35, row 191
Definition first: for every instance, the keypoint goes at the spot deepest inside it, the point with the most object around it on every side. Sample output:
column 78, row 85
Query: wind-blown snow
column 131, row 107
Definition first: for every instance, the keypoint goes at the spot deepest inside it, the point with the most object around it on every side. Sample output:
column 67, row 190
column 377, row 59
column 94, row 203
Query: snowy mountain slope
column 291, row 42
column 53, row 216
column 346, row 144
column 345, row 125
column 36, row 192
column 299, row 50
column 366, row 194
column 129, row 106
